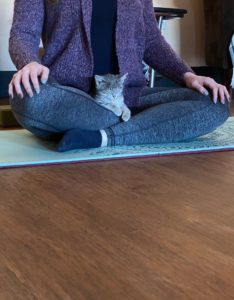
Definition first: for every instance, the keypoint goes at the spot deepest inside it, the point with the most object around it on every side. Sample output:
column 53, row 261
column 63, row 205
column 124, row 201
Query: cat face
column 109, row 80
column 110, row 86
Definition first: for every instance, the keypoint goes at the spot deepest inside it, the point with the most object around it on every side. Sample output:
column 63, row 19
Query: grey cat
column 109, row 93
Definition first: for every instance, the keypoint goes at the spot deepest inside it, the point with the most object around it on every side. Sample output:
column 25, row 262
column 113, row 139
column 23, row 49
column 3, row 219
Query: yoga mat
column 21, row 148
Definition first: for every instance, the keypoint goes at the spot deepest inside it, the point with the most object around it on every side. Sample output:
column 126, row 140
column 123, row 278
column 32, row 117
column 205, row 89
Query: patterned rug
column 20, row 148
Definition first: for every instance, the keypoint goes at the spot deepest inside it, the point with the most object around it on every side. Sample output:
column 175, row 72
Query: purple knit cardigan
column 64, row 26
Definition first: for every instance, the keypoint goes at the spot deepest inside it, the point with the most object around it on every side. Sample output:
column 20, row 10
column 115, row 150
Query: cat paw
column 126, row 116
column 117, row 111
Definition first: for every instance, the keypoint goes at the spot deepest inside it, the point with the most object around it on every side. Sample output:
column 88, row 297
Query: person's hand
column 29, row 72
column 200, row 83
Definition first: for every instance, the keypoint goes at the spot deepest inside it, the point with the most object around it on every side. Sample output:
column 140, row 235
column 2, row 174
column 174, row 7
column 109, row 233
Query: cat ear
column 98, row 78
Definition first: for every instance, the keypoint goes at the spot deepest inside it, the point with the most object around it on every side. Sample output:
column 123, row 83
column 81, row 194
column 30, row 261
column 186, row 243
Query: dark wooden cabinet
column 219, row 22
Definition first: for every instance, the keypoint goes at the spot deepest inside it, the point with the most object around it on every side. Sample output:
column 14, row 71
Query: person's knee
column 224, row 109
column 31, row 105
column 220, row 112
column 29, row 110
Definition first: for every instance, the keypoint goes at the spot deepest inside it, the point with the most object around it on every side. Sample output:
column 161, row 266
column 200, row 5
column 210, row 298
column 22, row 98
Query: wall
column 186, row 36
column 6, row 11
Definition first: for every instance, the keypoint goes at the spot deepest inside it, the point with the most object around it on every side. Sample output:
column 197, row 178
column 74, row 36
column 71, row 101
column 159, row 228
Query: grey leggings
column 164, row 115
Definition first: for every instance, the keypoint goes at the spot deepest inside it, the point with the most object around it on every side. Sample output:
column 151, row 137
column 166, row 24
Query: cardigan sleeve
column 158, row 53
column 25, row 33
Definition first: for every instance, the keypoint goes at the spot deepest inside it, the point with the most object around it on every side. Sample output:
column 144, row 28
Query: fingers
column 221, row 95
column 200, row 83
column 34, row 79
column 215, row 91
column 10, row 90
column 210, row 83
column 16, row 84
column 45, row 75
column 197, row 86
column 27, row 73
column 227, row 95
column 218, row 90
column 25, row 81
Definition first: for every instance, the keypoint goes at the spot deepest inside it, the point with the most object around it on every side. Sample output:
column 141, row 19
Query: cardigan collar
column 124, row 34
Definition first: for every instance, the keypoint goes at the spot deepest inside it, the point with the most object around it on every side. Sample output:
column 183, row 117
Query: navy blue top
column 104, row 15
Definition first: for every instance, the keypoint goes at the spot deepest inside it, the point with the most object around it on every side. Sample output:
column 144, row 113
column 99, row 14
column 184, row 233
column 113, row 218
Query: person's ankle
column 80, row 139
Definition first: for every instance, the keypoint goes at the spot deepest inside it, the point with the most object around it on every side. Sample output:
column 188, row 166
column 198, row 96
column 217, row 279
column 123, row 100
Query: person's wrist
column 188, row 75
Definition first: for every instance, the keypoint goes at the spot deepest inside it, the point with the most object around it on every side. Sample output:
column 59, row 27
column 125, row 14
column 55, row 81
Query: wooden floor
column 142, row 229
